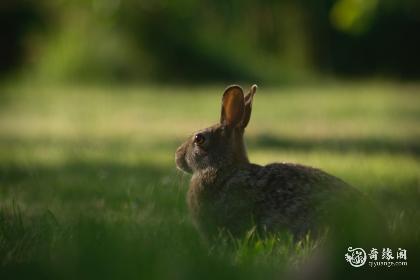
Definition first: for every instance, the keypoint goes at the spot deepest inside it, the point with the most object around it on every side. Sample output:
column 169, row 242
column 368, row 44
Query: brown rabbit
column 228, row 192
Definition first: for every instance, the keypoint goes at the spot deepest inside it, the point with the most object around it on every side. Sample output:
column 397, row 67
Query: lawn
column 88, row 185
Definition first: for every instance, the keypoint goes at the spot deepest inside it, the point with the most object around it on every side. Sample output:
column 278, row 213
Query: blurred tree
column 198, row 41
column 18, row 18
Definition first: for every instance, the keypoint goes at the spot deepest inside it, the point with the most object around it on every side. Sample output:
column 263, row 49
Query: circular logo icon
column 356, row 257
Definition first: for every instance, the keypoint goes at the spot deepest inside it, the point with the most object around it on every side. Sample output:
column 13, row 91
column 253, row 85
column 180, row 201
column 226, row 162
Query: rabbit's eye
column 199, row 139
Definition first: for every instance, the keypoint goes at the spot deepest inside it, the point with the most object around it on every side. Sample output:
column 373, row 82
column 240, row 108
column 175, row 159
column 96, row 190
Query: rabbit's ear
column 233, row 106
column 248, row 105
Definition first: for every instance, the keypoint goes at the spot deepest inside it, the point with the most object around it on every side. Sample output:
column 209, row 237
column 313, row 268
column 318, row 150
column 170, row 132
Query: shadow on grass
column 365, row 145
column 368, row 145
column 92, row 248
column 85, row 184
column 119, row 221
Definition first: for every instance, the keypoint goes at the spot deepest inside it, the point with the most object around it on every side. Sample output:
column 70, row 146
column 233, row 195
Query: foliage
column 206, row 41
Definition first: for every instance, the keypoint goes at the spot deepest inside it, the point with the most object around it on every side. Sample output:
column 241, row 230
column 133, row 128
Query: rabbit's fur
column 228, row 192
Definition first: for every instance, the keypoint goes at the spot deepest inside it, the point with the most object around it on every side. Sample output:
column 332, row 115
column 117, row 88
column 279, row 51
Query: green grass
column 88, row 184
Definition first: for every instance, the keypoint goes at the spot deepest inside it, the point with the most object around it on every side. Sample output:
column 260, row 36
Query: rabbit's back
column 273, row 197
column 296, row 197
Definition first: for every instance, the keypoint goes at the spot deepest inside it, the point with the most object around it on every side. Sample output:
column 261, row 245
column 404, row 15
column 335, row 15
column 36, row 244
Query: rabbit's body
column 279, row 196
column 228, row 192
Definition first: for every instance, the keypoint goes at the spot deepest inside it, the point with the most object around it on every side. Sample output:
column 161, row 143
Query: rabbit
column 227, row 192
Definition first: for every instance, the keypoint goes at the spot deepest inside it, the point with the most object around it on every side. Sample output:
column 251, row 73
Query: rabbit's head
column 221, row 145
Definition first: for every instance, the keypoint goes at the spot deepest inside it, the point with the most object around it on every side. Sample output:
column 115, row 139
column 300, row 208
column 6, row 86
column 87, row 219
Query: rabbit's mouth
column 180, row 161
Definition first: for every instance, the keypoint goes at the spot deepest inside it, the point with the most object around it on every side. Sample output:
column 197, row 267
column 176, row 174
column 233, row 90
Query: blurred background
column 206, row 41
column 96, row 95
